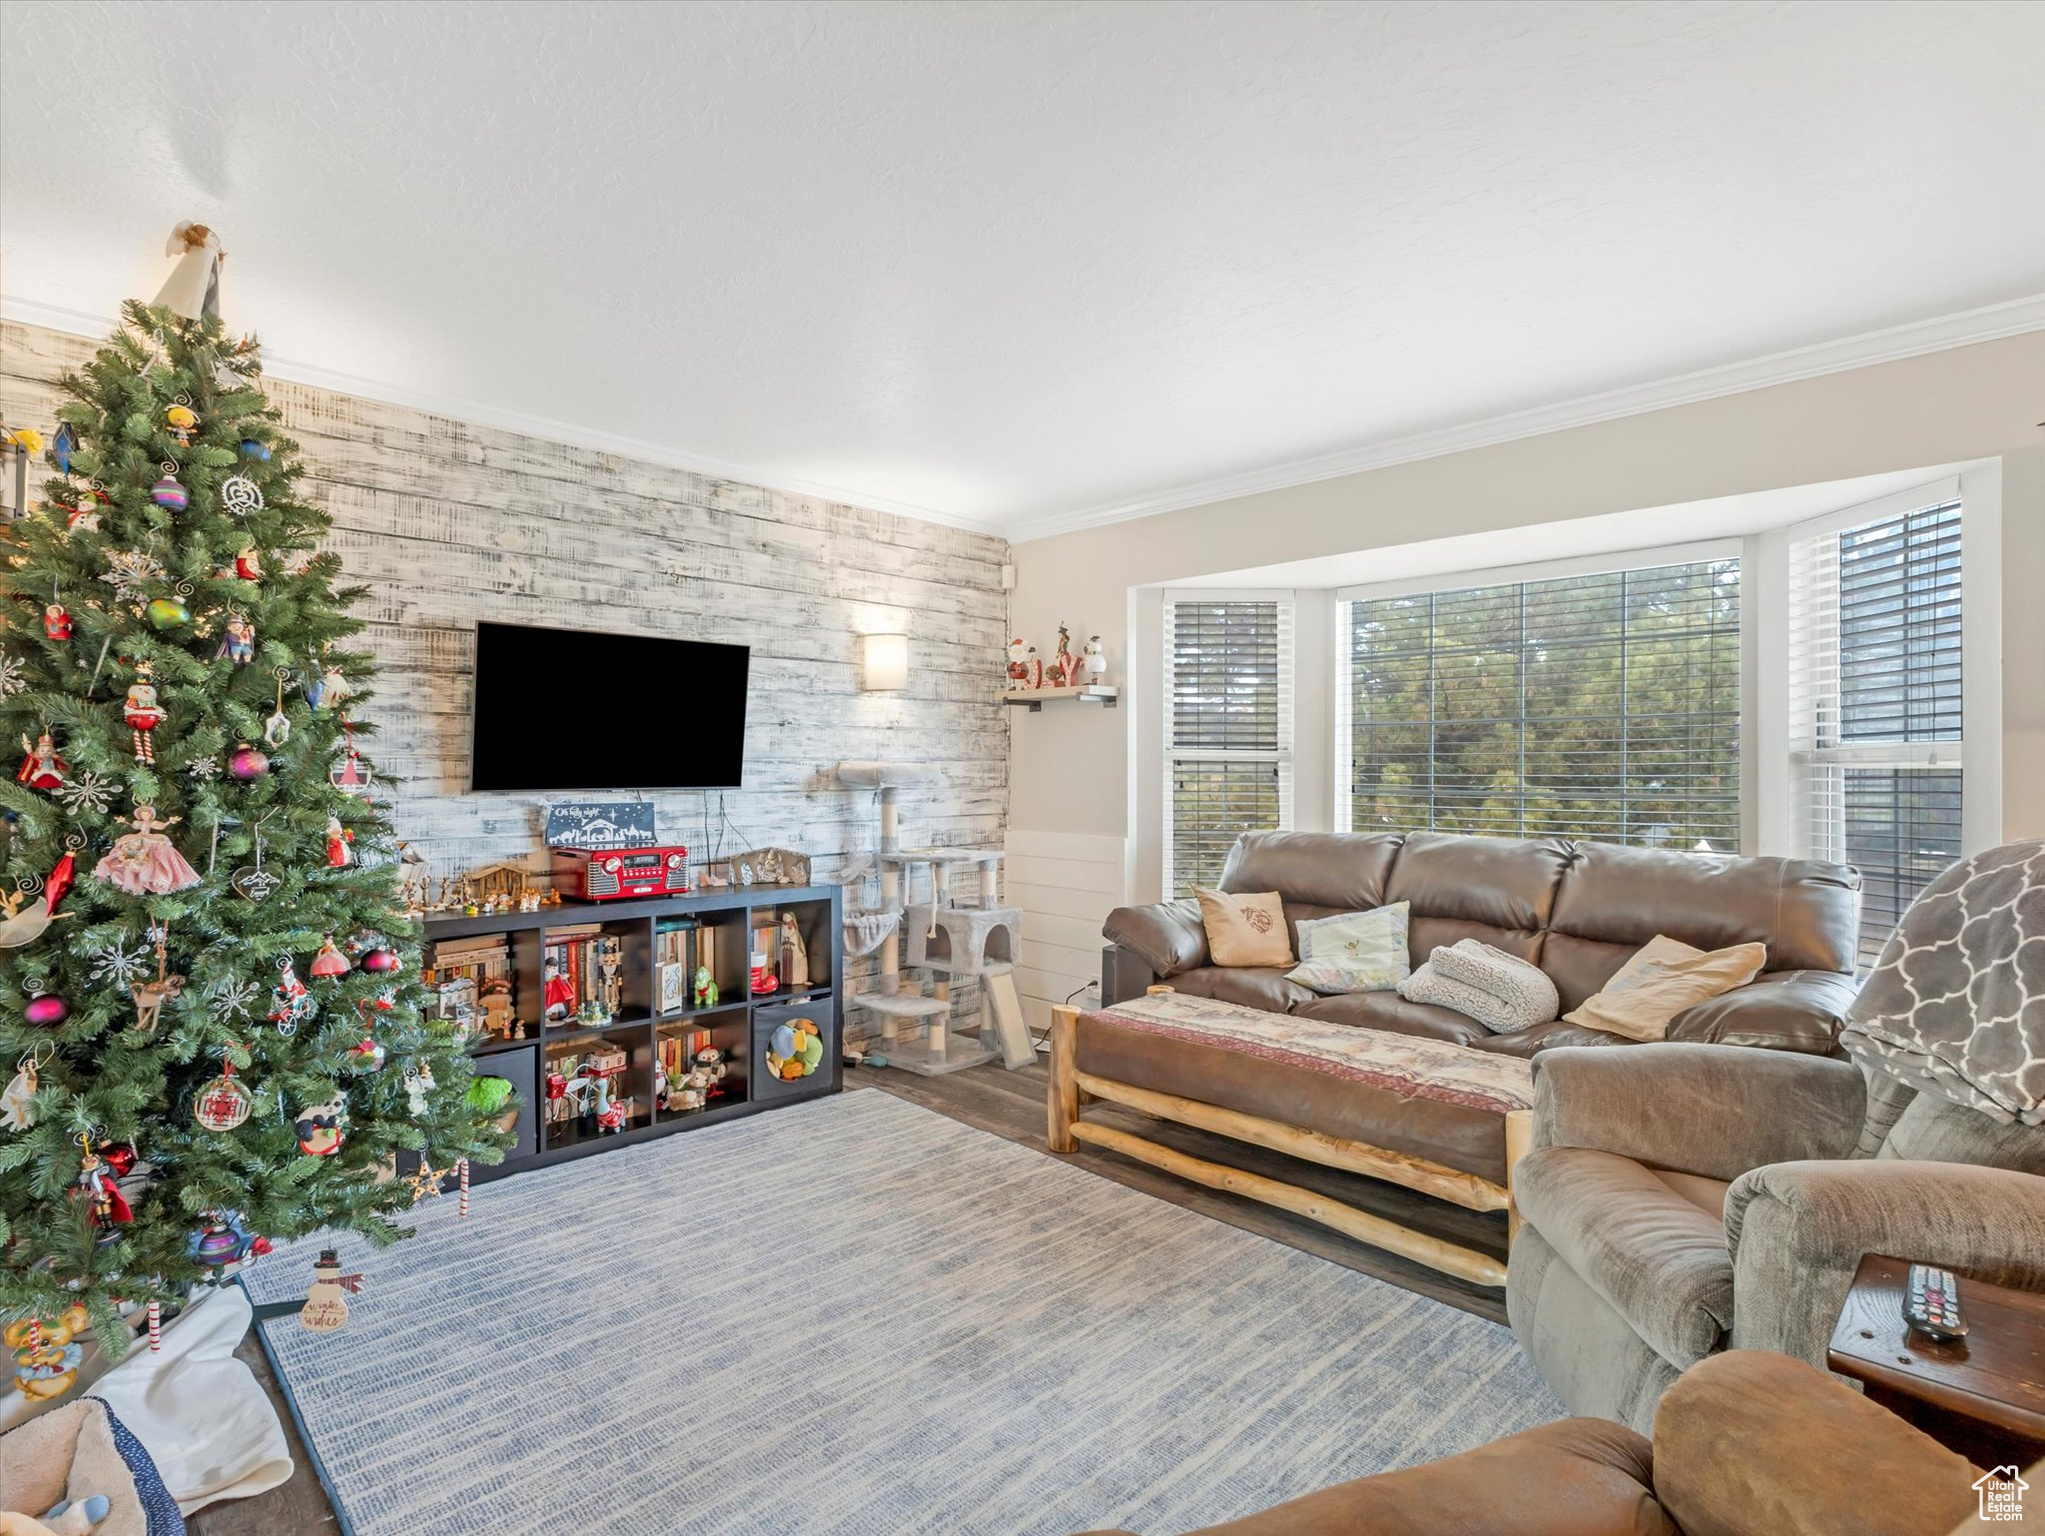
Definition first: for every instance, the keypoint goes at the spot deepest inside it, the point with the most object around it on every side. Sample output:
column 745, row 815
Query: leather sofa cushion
column 1580, row 967
column 1455, row 1135
column 1424, row 935
column 1341, row 872
column 1659, row 1260
column 1492, row 883
column 1542, row 1037
column 1254, row 986
column 1806, row 912
column 1780, row 1010
column 1576, row 1477
column 1390, row 1012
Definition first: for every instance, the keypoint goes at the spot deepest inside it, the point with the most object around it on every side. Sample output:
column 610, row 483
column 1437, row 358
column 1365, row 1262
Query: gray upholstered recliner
column 1684, row 1199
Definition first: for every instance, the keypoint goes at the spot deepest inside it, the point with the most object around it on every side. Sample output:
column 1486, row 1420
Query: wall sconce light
column 884, row 663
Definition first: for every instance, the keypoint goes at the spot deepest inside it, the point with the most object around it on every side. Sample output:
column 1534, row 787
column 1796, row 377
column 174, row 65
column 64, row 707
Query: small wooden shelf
column 1033, row 699
column 733, row 1024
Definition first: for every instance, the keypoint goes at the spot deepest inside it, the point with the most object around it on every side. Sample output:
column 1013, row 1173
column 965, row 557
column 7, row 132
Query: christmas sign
column 599, row 824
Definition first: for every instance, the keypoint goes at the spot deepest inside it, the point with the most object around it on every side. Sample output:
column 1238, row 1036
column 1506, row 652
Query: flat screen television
column 569, row 709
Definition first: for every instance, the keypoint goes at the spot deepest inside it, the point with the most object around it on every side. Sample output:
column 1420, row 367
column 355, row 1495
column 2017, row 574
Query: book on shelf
column 471, row 983
column 583, row 970
column 674, row 962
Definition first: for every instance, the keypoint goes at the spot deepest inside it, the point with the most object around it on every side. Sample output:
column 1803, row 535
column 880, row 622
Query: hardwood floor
column 1011, row 1105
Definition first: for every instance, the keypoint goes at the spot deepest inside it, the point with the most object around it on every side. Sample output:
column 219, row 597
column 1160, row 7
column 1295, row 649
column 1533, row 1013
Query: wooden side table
column 1983, row 1396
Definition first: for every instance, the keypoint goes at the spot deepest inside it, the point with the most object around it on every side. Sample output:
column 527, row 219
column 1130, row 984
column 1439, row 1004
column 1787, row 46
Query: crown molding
column 1936, row 335
column 77, row 323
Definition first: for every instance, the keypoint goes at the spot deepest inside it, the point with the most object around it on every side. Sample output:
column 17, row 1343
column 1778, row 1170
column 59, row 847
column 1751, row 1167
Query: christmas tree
column 207, row 983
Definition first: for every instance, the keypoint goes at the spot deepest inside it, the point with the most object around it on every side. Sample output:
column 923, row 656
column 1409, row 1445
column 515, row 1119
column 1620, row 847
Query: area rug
column 860, row 1317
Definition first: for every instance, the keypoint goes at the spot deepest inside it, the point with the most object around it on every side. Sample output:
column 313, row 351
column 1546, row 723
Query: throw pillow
column 1245, row 929
column 1664, row 977
column 1353, row 951
column 1499, row 991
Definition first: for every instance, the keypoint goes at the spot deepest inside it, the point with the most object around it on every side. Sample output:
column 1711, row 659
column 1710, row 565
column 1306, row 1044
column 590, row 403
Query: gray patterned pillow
column 1502, row 992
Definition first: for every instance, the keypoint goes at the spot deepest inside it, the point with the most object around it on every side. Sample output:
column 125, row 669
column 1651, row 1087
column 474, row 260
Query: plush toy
column 46, row 1360
column 794, row 1049
column 68, row 1517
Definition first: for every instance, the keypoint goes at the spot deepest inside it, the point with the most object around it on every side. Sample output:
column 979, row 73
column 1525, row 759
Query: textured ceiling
column 1009, row 261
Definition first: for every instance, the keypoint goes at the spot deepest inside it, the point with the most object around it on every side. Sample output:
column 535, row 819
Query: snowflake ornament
column 207, row 767
column 12, row 680
column 84, row 791
column 116, row 965
column 234, row 997
column 131, row 573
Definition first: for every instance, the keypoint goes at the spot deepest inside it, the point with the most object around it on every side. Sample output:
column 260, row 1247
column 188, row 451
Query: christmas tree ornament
column 48, row 1009
column 169, row 612
column 42, row 768
column 425, row 1180
column 119, row 1157
column 17, row 927
column 367, row 1055
column 46, row 1354
column 192, row 291
column 131, row 573
column 248, row 763
column 223, row 1103
column 339, row 854
column 351, row 776
column 240, row 495
column 62, row 446
column 169, row 493
column 84, row 792
column 150, row 996
column 233, row 997
column 461, row 1172
column 17, row 1103
column 237, row 640
column 13, row 678
column 329, row 962
column 96, row 1185
column 322, row 1127
column 252, row 882
column 220, row 1242
column 181, row 421
column 142, row 712
column 326, row 1304
column 335, row 689
column 380, row 958
column 56, row 621
column 142, row 862
column 252, row 449
column 385, row 1000
column 419, row 1086
column 290, row 1003
column 277, row 729
column 248, row 565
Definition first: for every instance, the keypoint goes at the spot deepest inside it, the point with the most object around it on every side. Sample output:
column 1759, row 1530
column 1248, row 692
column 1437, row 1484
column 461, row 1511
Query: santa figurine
column 289, row 1001
column 142, row 862
column 1018, row 665
column 339, row 854
column 142, row 712
column 42, row 768
column 56, row 621
column 559, row 999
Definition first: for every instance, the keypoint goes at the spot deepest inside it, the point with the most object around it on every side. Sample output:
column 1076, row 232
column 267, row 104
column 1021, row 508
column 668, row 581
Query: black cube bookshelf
column 647, row 1028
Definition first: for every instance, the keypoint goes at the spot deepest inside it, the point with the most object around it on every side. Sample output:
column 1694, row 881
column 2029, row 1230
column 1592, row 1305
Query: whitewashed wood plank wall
column 447, row 522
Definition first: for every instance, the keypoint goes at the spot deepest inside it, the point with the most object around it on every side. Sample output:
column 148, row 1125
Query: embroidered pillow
column 1664, row 977
column 1502, row 992
column 1353, row 951
column 1245, row 929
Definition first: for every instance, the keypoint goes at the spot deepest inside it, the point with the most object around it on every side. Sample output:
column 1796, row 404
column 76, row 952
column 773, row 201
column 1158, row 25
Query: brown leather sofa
column 1577, row 910
column 1746, row 1444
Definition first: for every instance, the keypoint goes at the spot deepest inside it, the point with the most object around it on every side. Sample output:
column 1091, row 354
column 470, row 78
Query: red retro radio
column 606, row 874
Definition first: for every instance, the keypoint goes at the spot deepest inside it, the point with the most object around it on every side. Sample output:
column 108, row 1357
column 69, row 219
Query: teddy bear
column 46, row 1362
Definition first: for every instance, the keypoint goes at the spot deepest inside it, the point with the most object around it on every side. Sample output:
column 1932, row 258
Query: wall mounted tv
column 568, row 709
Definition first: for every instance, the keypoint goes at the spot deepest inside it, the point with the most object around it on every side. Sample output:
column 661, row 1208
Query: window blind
column 1876, row 732
column 1228, row 730
column 1603, row 706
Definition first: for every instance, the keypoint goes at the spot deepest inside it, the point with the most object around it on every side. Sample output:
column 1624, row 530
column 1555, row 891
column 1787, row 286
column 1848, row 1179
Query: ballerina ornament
column 143, row 862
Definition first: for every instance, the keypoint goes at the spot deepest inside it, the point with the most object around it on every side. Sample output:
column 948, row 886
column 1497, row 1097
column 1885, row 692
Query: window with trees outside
column 1876, row 730
column 1602, row 706
column 1228, row 730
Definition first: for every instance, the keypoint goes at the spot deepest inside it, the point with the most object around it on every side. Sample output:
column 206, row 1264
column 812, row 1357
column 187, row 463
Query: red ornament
column 120, row 1157
column 62, row 873
column 47, row 1009
column 259, row 1245
column 42, row 768
column 56, row 622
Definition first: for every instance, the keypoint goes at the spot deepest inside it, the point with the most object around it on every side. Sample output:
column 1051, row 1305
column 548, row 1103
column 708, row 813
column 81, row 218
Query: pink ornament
column 47, row 1009
column 248, row 763
column 380, row 960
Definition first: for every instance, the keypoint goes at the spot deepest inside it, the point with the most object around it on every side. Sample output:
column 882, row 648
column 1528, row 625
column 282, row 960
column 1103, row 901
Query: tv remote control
column 1931, row 1306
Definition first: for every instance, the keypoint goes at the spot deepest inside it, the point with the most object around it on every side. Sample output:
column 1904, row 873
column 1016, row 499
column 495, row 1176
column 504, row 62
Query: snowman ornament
column 326, row 1304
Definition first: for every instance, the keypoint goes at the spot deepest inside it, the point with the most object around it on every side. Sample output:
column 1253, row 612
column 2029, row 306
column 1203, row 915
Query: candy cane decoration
column 156, row 1327
column 462, row 1168
column 35, row 1331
